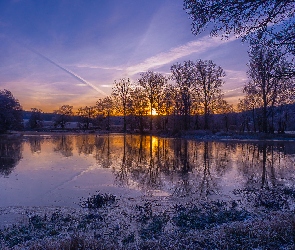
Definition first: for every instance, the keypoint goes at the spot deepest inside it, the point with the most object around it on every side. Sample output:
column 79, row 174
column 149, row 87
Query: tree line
column 190, row 98
column 192, row 90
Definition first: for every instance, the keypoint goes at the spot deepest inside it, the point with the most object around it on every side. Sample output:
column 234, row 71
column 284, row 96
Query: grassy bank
column 261, row 219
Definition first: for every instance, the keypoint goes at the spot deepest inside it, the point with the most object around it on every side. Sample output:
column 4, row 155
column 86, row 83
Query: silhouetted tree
column 243, row 17
column 225, row 109
column 185, row 77
column 105, row 107
column 138, row 106
column 63, row 115
column 208, row 86
column 10, row 112
column 87, row 114
column 153, row 84
column 35, row 120
column 168, row 103
column 121, row 92
column 267, row 79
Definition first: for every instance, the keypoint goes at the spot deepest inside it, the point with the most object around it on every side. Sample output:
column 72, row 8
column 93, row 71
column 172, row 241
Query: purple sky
column 70, row 52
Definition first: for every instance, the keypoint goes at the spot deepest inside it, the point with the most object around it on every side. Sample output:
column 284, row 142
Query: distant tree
column 208, row 86
column 105, row 107
column 166, row 103
column 121, row 93
column 35, row 120
column 248, row 112
column 138, row 106
column 199, row 82
column 244, row 17
column 267, row 67
column 10, row 112
column 153, row 84
column 63, row 115
column 87, row 114
column 244, row 116
column 225, row 109
column 185, row 77
column 284, row 113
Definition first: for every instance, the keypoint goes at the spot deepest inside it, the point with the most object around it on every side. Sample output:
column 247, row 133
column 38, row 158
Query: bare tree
column 35, row 120
column 105, row 107
column 166, row 104
column 208, row 86
column 121, row 92
column 63, row 115
column 153, row 84
column 244, row 17
column 87, row 114
column 225, row 109
column 185, row 77
column 138, row 106
column 267, row 67
column 247, row 109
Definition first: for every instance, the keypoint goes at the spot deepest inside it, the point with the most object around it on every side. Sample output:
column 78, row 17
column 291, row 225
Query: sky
column 59, row 52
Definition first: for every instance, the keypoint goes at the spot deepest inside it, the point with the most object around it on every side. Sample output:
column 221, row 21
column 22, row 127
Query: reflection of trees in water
column 10, row 154
column 222, row 157
column 150, row 162
column 199, row 165
column 103, row 151
column 35, row 144
column 85, row 144
column 207, row 185
column 139, row 163
column 264, row 165
column 185, row 167
column 64, row 145
column 182, row 163
column 122, row 171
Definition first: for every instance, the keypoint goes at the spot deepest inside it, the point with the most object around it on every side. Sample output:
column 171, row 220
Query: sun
column 154, row 112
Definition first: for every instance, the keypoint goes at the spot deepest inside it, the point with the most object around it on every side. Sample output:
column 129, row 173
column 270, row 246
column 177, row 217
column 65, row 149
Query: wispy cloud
column 233, row 90
column 77, row 77
column 236, row 75
column 176, row 53
column 89, row 66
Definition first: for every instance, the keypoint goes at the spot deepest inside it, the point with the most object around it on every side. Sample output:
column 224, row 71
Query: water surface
column 60, row 170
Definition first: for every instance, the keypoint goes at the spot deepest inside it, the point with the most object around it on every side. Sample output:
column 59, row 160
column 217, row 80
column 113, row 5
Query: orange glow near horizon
column 154, row 112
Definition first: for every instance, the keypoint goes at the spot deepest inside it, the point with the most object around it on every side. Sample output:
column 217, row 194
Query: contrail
column 79, row 78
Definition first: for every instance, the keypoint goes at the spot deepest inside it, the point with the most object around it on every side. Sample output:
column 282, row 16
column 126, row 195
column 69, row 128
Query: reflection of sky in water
column 60, row 170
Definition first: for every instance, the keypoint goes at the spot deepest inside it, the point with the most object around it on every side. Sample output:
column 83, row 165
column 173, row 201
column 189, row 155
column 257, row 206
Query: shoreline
column 198, row 135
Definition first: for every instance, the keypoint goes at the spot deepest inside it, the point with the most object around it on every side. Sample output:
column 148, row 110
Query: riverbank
column 190, row 135
column 157, row 223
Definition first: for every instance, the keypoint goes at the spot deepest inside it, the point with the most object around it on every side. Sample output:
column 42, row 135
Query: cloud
column 236, row 75
column 173, row 54
column 98, row 67
column 77, row 77
column 106, row 85
column 232, row 90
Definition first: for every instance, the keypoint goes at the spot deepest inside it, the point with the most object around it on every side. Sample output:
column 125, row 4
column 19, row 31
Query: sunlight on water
column 59, row 170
